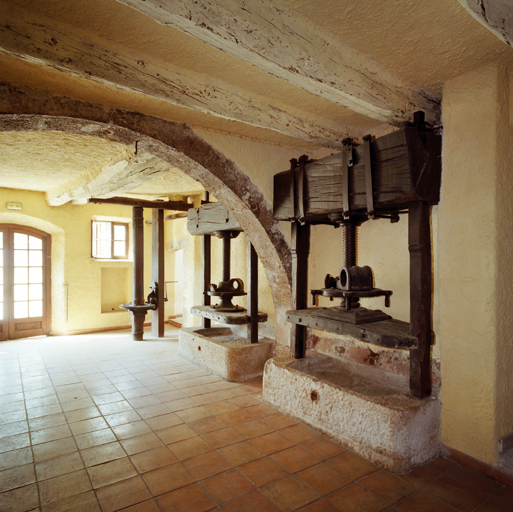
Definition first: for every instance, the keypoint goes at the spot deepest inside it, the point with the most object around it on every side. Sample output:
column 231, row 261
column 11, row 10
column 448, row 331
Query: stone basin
column 363, row 408
column 219, row 350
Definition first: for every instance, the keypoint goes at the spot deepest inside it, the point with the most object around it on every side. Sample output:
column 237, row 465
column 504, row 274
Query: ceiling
column 291, row 72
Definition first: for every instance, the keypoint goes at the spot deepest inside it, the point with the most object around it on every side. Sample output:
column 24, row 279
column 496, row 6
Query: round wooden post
column 138, row 284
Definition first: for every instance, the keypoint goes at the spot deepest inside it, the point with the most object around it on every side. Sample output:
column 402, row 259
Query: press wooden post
column 300, row 246
column 206, row 263
column 419, row 244
column 138, row 284
column 157, row 271
column 252, row 294
column 206, row 275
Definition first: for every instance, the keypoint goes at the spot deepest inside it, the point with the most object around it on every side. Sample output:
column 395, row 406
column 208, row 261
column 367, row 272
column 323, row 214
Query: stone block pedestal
column 220, row 351
column 362, row 408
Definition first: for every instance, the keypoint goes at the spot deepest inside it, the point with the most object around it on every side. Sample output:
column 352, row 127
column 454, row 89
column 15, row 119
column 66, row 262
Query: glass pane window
column 35, row 258
column 20, row 258
column 119, row 249
column 20, row 275
column 109, row 240
column 35, row 292
column 35, row 274
column 35, row 308
column 120, row 232
column 35, row 243
column 20, row 292
column 20, row 241
column 21, row 310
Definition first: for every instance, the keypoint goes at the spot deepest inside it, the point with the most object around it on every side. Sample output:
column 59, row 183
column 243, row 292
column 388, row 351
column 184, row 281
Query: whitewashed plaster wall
column 475, row 263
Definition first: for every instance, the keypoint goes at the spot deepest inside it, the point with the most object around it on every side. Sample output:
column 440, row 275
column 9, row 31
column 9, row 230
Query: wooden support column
column 300, row 246
column 157, row 271
column 206, row 264
column 206, row 275
column 252, row 294
column 138, row 284
column 419, row 243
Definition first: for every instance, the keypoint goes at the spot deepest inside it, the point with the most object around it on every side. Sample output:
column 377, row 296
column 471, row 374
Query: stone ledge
column 220, row 351
column 388, row 428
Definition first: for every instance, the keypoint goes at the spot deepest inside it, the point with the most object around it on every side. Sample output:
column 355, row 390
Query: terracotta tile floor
column 100, row 422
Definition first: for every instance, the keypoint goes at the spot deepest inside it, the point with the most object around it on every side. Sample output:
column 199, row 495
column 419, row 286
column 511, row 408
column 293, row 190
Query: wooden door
column 26, row 271
column 4, row 312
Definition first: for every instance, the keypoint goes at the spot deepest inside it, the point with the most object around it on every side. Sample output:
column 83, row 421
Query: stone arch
column 24, row 109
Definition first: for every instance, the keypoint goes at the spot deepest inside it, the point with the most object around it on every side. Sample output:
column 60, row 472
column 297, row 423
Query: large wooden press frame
column 382, row 178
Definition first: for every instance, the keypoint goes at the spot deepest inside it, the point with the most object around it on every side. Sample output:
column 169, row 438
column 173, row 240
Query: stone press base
column 220, row 351
column 375, row 418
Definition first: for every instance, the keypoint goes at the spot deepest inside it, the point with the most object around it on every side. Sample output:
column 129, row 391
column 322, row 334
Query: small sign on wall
column 14, row 206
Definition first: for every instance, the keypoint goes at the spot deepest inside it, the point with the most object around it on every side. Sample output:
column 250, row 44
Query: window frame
column 113, row 224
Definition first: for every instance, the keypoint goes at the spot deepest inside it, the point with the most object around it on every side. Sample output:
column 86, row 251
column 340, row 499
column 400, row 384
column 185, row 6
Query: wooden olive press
column 214, row 219
column 382, row 178
column 227, row 288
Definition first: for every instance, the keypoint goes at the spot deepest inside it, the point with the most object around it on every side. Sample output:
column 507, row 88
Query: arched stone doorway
column 178, row 145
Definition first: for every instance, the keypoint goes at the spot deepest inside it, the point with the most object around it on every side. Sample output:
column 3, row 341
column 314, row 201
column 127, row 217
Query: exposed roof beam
column 114, row 179
column 161, row 205
column 173, row 216
column 292, row 49
column 62, row 49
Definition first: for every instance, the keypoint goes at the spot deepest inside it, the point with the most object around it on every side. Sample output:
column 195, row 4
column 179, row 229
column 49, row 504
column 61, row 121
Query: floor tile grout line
column 31, row 445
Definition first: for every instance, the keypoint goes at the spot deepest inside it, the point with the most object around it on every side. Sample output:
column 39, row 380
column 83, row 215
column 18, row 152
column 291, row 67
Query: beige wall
column 70, row 227
column 475, row 263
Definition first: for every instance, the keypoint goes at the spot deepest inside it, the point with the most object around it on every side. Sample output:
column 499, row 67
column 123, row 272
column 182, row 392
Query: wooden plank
column 127, row 201
column 419, row 244
column 300, row 247
column 226, row 317
column 403, row 169
column 387, row 333
column 157, row 271
column 210, row 217
column 252, row 294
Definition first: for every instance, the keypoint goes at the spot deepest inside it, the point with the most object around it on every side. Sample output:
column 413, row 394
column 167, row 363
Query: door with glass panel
column 25, row 273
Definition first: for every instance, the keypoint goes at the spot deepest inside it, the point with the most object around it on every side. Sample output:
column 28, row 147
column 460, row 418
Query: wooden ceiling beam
column 290, row 48
column 126, row 201
column 43, row 42
column 173, row 216
column 115, row 179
